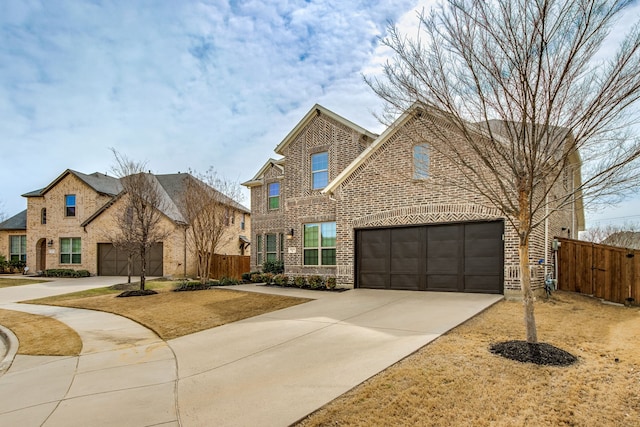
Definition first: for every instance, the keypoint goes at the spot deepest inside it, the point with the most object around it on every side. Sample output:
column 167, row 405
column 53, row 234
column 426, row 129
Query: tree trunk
column 129, row 265
column 143, row 266
column 527, row 293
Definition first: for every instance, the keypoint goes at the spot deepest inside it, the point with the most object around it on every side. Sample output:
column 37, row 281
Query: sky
column 186, row 84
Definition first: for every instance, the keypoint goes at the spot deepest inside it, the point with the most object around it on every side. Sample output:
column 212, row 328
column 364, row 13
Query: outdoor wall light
column 290, row 234
column 50, row 243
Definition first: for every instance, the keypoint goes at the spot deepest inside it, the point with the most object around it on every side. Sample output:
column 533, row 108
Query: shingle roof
column 16, row 222
column 101, row 183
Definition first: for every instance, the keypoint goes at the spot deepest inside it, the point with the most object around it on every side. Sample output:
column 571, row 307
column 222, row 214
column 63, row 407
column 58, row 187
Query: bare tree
column 140, row 215
column 518, row 86
column 625, row 236
column 208, row 203
column 3, row 215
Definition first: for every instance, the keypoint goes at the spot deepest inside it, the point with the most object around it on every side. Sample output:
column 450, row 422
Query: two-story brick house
column 70, row 224
column 360, row 207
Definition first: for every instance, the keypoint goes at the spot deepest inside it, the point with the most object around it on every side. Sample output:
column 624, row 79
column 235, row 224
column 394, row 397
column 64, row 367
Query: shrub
column 281, row 280
column 267, row 278
column 228, row 281
column 331, row 282
column 247, row 276
column 274, row 267
column 66, row 272
column 299, row 281
column 315, row 281
column 187, row 285
column 256, row 278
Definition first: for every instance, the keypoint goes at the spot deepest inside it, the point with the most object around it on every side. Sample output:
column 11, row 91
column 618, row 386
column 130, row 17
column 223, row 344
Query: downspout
column 546, row 235
column 184, row 259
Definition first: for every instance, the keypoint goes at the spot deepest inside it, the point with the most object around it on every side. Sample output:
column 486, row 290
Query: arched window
column 43, row 216
column 420, row 161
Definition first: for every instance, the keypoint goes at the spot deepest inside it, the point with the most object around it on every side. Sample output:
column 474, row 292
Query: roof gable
column 318, row 109
column 100, row 183
column 257, row 179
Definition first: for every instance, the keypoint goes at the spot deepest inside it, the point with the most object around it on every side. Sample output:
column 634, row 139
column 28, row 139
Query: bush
column 274, row 267
column 228, row 281
column 66, row 272
column 256, row 278
column 331, row 283
column 191, row 285
column 267, row 278
column 315, row 281
column 300, row 281
column 280, row 280
column 247, row 276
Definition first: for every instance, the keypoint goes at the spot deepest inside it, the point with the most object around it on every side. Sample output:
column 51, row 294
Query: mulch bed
column 137, row 293
column 538, row 353
column 307, row 288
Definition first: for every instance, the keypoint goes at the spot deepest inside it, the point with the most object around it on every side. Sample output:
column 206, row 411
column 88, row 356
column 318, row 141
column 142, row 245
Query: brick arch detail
column 425, row 214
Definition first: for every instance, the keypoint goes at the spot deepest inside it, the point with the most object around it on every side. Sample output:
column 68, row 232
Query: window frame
column 308, row 248
column 242, row 223
column 273, row 199
column 70, row 210
column 21, row 254
column 319, row 172
column 75, row 257
column 259, row 260
column 421, row 157
column 43, row 216
column 271, row 251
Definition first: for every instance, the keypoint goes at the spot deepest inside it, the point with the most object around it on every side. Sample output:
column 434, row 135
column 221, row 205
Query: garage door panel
column 374, row 281
column 442, row 282
column 410, row 282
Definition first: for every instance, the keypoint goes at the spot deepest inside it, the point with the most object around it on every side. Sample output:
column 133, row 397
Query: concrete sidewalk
column 269, row 370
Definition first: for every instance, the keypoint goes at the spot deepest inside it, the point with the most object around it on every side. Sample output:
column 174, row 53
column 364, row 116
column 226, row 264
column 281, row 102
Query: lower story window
column 272, row 247
column 70, row 250
column 18, row 248
column 320, row 244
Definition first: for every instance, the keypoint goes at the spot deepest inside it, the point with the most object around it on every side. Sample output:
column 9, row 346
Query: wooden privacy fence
column 229, row 266
column 607, row 272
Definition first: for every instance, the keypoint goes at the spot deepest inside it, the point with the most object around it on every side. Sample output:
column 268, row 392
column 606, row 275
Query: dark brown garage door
column 466, row 257
column 112, row 262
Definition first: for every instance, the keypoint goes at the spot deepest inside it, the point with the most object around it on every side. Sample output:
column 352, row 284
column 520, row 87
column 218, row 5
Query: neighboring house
column 13, row 237
column 347, row 203
column 70, row 224
column 624, row 239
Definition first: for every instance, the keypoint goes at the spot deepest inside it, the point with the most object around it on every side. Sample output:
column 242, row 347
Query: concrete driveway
column 270, row 370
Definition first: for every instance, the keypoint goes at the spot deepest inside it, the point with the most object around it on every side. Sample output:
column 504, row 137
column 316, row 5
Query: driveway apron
column 274, row 369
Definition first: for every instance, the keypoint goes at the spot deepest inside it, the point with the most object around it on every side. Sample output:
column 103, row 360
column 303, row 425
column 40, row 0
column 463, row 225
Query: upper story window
column 242, row 223
column 43, row 216
column 18, row 248
column 274, row 195
column 227, row 215
column 70, row 205
column 319, row 170
column 420, row 161
column 320, row 244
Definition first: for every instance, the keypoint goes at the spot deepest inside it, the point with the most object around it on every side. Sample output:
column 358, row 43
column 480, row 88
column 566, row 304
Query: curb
column 12, row 343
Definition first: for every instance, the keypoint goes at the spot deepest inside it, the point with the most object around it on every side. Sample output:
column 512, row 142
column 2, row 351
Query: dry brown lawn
column 41, row 335
column 456, row 381
column 6, row 282
column 174, row 314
